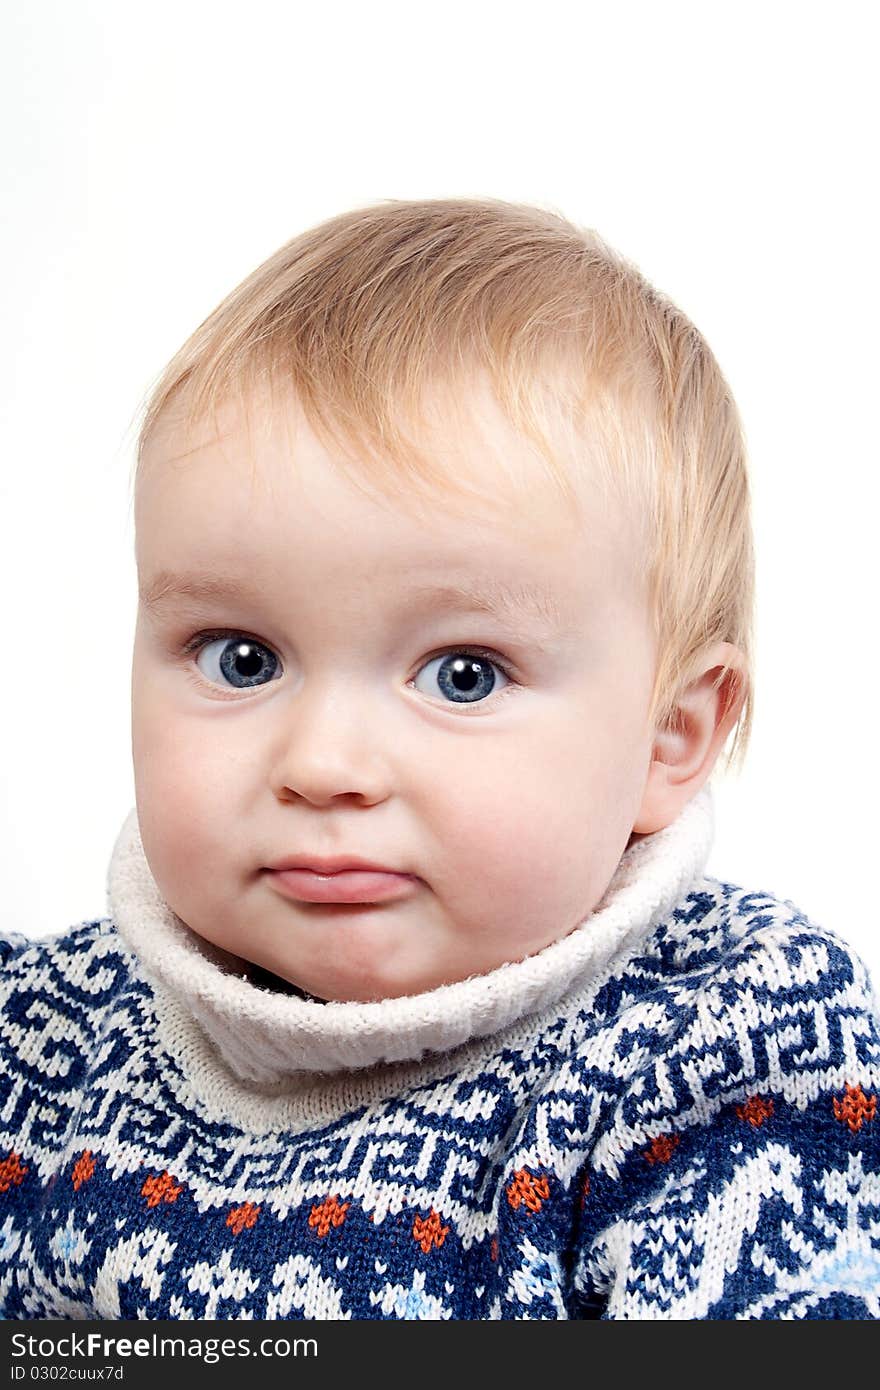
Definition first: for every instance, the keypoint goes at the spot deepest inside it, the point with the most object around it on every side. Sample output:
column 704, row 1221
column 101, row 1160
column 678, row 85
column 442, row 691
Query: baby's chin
column 333, row 988
column 341, row 990
column 344, row 987
column 368, row 967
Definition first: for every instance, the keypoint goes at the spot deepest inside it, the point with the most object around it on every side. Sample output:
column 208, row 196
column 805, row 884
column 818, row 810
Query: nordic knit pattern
column 691, row 1132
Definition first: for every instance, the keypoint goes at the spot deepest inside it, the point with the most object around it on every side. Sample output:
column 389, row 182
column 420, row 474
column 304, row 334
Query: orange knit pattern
column 755, row 1110
column 661, row 1149
column 83, row 1169
column 330, row 1212
column 11, row 1171
column 429, row 1231
column 242, row 1218
column 160, row 1189
column 855, row 1109
column 527, row 1190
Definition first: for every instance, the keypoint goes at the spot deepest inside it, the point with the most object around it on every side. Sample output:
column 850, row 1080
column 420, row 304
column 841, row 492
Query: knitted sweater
column 671, row 1113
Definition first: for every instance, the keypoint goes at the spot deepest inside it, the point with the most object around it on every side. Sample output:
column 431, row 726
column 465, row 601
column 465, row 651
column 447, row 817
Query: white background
column 152, row 155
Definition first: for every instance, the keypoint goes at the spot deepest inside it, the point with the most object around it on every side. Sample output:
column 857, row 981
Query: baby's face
column 458, row 696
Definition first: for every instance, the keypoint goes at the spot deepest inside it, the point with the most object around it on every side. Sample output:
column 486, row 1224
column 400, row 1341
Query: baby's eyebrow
column 166, row 587
column 489, row 594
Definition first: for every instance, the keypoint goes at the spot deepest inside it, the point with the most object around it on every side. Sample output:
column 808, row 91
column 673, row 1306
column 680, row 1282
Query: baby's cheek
column 509, row 844
column 178, row 804
column 532, row 842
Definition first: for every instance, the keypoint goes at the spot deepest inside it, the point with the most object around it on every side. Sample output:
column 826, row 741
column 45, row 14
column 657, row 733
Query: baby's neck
column 264, row 979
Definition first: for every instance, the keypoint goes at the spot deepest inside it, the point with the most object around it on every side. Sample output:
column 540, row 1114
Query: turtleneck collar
column 265, row 1037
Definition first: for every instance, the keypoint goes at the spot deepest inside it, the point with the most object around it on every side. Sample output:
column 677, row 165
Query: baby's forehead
column 486, row 503
column 457, row 450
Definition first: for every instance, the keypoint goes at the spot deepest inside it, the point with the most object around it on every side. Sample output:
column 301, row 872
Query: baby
column 414, row 999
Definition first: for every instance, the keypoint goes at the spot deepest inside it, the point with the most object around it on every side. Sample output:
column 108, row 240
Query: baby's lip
column 350, row 885
column 332, row 864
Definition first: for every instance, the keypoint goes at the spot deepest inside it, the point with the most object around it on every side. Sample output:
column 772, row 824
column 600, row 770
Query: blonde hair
column 362, row 313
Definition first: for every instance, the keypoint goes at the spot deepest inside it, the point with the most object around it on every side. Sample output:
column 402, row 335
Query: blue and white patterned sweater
column 690, row 1130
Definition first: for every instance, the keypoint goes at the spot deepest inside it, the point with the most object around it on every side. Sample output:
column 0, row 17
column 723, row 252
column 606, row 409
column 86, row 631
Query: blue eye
column 235, row 660
column 462, row 677
column 239, row 660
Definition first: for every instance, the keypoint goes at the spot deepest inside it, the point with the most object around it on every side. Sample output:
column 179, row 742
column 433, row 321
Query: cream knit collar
column 266, row 1037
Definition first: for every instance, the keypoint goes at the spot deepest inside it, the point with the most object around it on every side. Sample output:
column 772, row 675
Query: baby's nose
column 331, row 745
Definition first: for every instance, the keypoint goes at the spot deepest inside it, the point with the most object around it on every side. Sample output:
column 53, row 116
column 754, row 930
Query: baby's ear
column 687, row 746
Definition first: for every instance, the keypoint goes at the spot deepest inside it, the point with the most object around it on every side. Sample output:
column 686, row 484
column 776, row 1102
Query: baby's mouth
column 349, row 886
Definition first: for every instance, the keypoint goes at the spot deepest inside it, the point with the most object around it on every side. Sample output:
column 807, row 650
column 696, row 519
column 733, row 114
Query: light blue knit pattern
column 699, row 1140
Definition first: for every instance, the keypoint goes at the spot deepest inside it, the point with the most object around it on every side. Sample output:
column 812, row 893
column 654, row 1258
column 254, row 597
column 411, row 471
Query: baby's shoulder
column 748, row 943
column 730, row 974
column 748, row 989
column 736, row 993
column 80, row 962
